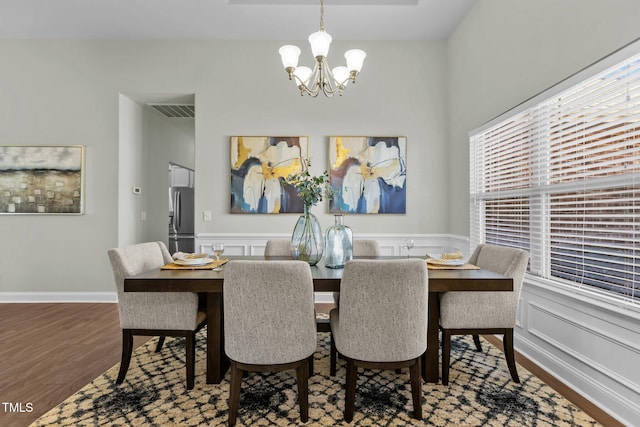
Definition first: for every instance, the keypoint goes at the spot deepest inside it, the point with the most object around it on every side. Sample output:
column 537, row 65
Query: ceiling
column 230, row 19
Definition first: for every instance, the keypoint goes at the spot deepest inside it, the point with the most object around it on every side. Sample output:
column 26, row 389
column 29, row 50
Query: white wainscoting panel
column 390, row 244
column 591, row 346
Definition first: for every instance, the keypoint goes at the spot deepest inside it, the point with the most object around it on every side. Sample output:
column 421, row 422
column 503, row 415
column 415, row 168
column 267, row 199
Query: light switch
column 206, row 216
column 143, row 216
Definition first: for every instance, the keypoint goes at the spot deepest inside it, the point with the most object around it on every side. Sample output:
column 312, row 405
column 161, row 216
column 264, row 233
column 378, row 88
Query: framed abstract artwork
column 368, row 174
column 42, row 179
column 259, row 165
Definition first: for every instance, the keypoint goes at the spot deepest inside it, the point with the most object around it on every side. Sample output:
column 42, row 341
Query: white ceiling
column 230, row 19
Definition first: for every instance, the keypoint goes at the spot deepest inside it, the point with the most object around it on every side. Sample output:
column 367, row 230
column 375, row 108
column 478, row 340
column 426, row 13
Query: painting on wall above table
column 368, row 174
column 259, row 165
column 43, row 179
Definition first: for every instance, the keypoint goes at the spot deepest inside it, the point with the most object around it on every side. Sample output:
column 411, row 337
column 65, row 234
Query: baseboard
column 58, row 297
column 108, row 297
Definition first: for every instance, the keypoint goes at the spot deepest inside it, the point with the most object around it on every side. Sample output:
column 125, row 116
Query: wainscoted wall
column 587, row 342
column 390, row 244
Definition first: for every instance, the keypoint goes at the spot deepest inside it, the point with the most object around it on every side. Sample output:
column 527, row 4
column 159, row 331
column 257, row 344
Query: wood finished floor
column 49, row 351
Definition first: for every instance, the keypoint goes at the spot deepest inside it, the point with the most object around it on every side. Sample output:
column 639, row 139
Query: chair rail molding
column 390, row 244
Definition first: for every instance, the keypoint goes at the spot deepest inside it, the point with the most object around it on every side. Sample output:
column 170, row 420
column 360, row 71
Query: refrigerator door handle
column 177, row 214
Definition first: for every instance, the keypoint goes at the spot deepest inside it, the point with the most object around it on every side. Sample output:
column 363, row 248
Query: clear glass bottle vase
column 338, row 244
column 307, row 243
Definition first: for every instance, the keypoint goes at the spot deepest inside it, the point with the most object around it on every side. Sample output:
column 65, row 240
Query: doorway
column 155, row 131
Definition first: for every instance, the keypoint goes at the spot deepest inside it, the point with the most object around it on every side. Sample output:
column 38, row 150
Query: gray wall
column 401, row 91
column 506, row 51
column 503, row 53
column 68, row 92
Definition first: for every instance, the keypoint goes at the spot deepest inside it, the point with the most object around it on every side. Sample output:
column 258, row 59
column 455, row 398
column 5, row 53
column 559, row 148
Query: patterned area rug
column 480, row 393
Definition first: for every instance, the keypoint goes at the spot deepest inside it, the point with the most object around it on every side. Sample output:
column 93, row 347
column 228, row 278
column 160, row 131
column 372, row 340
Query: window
column 559, row 177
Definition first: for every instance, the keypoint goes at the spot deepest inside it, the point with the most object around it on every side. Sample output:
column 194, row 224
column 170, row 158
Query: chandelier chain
column 321, row 15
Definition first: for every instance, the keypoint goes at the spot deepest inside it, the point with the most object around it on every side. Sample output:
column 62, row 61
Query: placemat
column 466, row 266
column 210, row 266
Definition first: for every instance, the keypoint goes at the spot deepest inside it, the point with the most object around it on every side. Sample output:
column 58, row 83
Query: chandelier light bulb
column 320, row 42
column 341, row 75
column 302, row 74
column 355, row 59
column 289, row 55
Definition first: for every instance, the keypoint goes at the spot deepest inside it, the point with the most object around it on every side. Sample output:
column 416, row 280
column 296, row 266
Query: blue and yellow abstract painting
column 259, row 165
column 368, row 174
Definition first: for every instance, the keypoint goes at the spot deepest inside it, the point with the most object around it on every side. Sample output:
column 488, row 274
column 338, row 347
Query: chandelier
column 321, row 78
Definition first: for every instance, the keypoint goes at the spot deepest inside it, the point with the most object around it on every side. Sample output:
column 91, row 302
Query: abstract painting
column 368, row 174
column 259, row 165
column 42, row 179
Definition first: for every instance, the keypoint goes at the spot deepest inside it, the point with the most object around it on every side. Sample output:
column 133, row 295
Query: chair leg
column 127, row 349
column 446, row 353
column 332, row 357
column 507, row 344
column 191, row 359
column 303, row 390
column 160, row 344
column 416, row 388
column 311, row 365
column 234, row 392
column 476, row 340
column 350, row 393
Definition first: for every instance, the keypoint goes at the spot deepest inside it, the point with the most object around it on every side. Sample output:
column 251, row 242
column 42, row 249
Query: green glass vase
column 307, row 241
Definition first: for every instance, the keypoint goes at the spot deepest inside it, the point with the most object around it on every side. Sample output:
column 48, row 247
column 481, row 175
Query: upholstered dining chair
column 381, row 322
column 361, row 247
column 153, row 313
column 278, row 247
column 269, row 323
column 282, row 247
column 364, row 247
column 464, row 313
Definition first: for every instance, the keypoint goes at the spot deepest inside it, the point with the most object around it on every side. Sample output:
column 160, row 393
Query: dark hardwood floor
column 49, row 351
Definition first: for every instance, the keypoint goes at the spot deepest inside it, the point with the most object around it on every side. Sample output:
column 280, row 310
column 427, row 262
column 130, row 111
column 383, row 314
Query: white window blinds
column 561, row 179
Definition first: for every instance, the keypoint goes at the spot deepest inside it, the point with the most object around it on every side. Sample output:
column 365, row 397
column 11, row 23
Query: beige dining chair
column 474, row 313
column 364, row 247
column 269, row 323
column 278, row 247
column 361, row 247
column 282, row 247
column 381, row 322
column 153, row 313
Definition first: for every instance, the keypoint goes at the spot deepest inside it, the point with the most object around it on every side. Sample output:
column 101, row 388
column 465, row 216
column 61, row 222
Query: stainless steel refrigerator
column 181, row 220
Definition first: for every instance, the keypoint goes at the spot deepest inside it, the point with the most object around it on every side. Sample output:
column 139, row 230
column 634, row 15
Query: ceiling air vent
column 175, row 110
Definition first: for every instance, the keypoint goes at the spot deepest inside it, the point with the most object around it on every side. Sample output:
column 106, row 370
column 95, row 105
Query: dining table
column 210, row 283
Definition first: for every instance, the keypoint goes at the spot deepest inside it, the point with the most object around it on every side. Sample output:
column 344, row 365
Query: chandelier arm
column 329, row 86
column 314, row 89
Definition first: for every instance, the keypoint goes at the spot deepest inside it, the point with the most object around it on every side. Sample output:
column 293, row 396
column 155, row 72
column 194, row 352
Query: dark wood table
column 325, row 279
